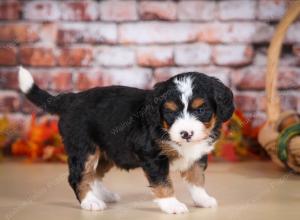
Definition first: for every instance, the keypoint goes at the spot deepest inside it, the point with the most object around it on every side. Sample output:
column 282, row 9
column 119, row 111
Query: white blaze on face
column 185, row 121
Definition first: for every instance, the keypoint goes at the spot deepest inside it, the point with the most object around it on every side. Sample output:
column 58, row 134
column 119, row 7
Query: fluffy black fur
column 126, row 123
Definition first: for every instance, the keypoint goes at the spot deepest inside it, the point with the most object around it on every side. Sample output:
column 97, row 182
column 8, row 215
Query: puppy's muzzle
column 186, row 135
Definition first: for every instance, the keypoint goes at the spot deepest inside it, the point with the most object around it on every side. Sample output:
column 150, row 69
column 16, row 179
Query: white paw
column 207, row 202
column 103, row 193
column 201, row 198
column 91, row 202
column 171, row 205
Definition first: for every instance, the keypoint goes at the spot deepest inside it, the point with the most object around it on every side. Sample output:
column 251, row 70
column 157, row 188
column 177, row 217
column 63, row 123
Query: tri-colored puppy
column 172, row 127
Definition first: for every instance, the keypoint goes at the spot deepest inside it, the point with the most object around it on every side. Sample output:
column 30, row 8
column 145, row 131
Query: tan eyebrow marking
column 197, row 102
column 170, row 105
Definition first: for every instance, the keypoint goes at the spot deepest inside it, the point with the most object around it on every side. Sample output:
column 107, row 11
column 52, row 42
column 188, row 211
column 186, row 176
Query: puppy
column 172, row 127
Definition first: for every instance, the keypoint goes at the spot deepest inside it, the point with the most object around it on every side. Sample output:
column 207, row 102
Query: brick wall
column 75, row 45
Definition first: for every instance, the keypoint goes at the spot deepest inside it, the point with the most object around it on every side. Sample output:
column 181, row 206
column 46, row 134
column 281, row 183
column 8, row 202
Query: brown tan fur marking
column 169, row 151
column 163, row 191
column 104, row 165
column 88, row 175
column 210, row 125
column 197, row 102
column 93, row 171
column 194, row 175
column 165, row 125
column 170, row 105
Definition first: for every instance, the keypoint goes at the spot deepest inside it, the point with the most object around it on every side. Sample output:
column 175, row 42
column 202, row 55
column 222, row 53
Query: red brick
column 48, row 33
column 235, row 32
column 164, row 10
column 41, row 77
column 289, row 78
column 118, row 11
column 80, row 11
column 10, row 101
column 220, row 73
column 165, row 73
column 254, row 78
column 29, row 108
column 157, row 32
column 155, row 56
column 257, row 119
column 166, row 32
column 248, row 79
column 87, row 33
column 19, row 32
column 239, row 10
column 41, row 10
column 37, row 56
column 8, row 79
column 296, row 50
column 246, row 102
column 260, row 57
column 75, row 56
column 192, row 54
column 135, row 77
column 288, row 101
column 233, row 55
column 8, row 55
column 115, row 56
column 196, row 10
column 286, row 58
column 88, row 79
column 271, row 9
column 61, row 81
column 9, row 10
column 293, row 33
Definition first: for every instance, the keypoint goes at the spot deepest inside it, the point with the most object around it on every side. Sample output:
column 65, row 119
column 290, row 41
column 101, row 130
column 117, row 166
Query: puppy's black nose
column 186, row 135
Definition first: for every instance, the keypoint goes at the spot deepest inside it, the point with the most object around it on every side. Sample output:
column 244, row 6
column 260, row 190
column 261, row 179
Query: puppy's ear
column 153, row 103
column 159, row 87
column 223, row 98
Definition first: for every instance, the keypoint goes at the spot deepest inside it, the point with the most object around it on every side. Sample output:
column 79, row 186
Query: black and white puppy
column 172, row 127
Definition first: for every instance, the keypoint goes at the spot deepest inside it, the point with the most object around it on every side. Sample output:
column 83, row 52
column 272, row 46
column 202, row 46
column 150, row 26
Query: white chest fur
column 189, row 153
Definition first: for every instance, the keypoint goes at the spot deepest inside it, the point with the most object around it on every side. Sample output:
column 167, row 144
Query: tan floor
column 256, row 190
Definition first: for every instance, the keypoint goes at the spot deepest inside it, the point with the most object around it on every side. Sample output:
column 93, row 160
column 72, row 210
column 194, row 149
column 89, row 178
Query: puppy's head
column 191, row 107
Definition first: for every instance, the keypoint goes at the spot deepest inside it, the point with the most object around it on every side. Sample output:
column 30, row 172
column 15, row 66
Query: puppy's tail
column 41, row 98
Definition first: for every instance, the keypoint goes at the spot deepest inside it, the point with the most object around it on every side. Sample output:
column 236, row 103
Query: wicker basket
column 280, row 136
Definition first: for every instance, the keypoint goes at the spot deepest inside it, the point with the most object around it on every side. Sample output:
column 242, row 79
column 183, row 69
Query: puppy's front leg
column 157, row 173
column 195, row 179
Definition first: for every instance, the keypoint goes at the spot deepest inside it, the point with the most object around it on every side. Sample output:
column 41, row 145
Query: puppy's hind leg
column 104, row 165
column 83, row 157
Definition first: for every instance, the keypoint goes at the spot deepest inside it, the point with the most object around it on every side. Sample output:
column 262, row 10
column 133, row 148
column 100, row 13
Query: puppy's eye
column 201, row 111
column 170, row 112
column 167, row 111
